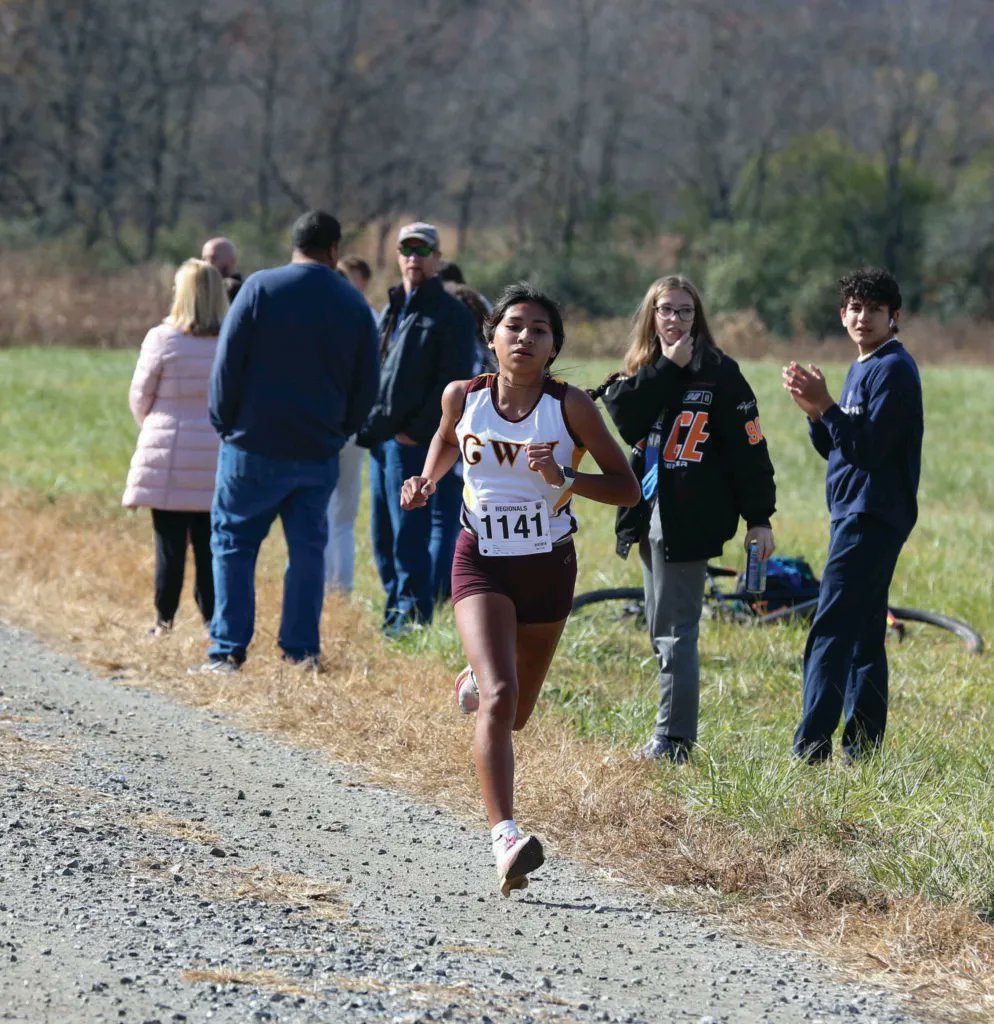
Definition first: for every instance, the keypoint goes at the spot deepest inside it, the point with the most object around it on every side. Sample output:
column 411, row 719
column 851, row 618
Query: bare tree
column 525, row 119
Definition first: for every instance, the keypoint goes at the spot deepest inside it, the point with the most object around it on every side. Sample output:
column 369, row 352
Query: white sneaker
column 516, row 856
column 467, row 691
column 217, row 665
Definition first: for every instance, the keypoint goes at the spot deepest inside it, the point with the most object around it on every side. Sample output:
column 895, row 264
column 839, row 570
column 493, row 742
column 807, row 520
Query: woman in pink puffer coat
column 172, row 470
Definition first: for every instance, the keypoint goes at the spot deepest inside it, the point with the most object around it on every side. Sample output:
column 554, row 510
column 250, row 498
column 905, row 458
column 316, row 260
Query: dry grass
column 744, row 336
column 224, row 883
column 284, row 889
column 418, row 993
column 81, row 307
column 21, row 755
column 270, row 981
column 178, row 828
column 85, row 308
column 82, row 583
column 16, row 753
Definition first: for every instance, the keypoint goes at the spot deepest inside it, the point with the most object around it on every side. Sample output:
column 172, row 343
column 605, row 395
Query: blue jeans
column 251, row 491
column 445, row 529
column 339, row 555
column 400, row 539
column 845, row 664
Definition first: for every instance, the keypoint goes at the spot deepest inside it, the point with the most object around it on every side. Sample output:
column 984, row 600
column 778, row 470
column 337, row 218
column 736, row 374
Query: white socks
column 503, row 828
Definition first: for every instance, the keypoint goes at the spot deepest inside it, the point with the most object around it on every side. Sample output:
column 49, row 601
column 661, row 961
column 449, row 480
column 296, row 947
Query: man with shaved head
column 295, row 374
column 221, row 253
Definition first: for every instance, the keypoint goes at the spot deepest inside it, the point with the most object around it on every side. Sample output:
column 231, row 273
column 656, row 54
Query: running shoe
column 664, row 748
column 217, row 665
column 467, row 691
column 516, row 855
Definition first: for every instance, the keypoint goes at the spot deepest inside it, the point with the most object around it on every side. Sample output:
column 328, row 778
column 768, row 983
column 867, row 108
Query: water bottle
column 755, row 581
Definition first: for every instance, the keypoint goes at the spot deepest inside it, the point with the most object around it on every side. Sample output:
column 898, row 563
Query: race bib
column 512, row 528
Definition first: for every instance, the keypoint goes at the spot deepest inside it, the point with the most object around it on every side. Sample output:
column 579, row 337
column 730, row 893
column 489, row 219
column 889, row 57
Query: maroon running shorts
column 540, row 586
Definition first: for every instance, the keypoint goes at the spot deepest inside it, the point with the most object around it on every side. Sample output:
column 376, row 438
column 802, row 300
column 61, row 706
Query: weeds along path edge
column 80, row 580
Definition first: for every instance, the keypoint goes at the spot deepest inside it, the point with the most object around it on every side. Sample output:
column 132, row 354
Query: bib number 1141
column 521, row 528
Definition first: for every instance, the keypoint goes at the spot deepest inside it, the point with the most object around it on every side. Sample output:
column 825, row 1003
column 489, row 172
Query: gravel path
column 158, row 864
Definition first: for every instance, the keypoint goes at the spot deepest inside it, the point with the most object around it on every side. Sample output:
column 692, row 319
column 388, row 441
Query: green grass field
column 917, row 820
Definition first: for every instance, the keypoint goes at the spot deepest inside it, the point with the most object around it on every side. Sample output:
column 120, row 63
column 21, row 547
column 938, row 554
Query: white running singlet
column 509, row 507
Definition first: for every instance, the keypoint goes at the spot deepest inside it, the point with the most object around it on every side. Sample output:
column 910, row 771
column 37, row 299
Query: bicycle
column 794, row 604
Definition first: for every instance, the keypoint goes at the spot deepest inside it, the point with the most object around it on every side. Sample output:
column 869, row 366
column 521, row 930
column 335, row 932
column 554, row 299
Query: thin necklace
column 522, row 387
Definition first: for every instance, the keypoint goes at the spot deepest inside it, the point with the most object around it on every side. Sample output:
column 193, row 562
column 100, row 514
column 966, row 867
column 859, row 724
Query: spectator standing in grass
column 295, row 375
column 872, row 439
column 522, row 436
column 699, row 449
column 473, row 301
column 426, row 341
column 339, row 555
column 357, row 272
column 221, row 253
column 451, row 273
column 442, row 545
column 172, row 471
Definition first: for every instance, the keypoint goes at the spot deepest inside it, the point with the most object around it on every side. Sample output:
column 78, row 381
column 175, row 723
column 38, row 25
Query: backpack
column 788, row 582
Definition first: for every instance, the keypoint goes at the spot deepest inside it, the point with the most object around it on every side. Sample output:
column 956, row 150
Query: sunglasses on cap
column 407, row 249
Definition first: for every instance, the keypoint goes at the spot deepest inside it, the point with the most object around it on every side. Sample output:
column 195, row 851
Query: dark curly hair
column 870, row 284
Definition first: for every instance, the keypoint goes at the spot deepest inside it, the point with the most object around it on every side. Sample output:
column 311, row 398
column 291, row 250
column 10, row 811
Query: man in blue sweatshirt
column 872, row 439
column 295, row 374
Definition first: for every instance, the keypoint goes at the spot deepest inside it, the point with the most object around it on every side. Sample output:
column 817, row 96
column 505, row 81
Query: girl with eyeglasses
column 521, row 435
column 700, row 453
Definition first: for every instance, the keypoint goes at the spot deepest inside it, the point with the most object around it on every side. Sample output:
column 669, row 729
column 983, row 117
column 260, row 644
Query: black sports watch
column 569, row 475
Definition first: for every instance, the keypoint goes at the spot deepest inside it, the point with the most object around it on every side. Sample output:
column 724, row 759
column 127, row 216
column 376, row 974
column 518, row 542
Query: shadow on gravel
column 592, row 908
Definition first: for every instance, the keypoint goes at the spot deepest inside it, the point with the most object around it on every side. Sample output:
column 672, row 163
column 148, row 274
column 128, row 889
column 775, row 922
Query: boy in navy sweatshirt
column 872, row 439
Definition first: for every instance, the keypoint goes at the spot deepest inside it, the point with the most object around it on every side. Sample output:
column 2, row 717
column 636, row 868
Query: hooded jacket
column 714, row 465
column 175, row 459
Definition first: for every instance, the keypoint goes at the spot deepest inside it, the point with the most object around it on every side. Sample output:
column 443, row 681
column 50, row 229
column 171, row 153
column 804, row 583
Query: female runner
column 521, row 435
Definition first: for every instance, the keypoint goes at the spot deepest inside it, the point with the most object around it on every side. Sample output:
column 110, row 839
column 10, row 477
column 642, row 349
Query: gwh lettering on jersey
column 505, row 452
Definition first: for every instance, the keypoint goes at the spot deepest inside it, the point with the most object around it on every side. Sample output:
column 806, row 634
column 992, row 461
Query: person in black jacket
column 700, row 452
column 427, row 339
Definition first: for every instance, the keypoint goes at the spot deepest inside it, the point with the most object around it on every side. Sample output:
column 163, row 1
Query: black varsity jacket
column 714, row 465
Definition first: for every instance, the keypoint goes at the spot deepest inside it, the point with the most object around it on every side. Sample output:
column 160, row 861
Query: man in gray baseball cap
column 427, row 339
column 419, row 231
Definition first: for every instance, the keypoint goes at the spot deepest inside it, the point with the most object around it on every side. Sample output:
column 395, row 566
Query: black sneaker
column 310, row 662
column 664, row 748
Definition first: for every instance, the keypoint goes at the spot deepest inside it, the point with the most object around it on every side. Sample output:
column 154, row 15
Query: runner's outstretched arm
column 442, row 453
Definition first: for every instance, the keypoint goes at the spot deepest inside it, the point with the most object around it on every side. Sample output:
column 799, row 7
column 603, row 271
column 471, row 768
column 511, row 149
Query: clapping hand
column 808, row 389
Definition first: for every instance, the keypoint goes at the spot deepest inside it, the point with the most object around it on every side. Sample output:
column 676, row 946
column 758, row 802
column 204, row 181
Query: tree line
column 765, row 145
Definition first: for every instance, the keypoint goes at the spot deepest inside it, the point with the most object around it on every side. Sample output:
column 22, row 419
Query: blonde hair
column 199, row 299
column 643, row 346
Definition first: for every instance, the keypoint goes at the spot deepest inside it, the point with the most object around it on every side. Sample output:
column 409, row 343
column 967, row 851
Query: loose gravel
column 160, row 864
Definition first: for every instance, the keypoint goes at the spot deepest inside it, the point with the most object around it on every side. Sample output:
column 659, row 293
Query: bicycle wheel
column 716, row 604
column 608, row 594
column 973, row 640
column 790, row 613
column 805, row 609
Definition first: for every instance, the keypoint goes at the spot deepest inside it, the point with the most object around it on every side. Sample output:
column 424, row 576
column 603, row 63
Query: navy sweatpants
column 845, row 664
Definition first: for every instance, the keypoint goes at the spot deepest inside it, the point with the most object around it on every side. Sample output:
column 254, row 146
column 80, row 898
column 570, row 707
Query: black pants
column 172, row 529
